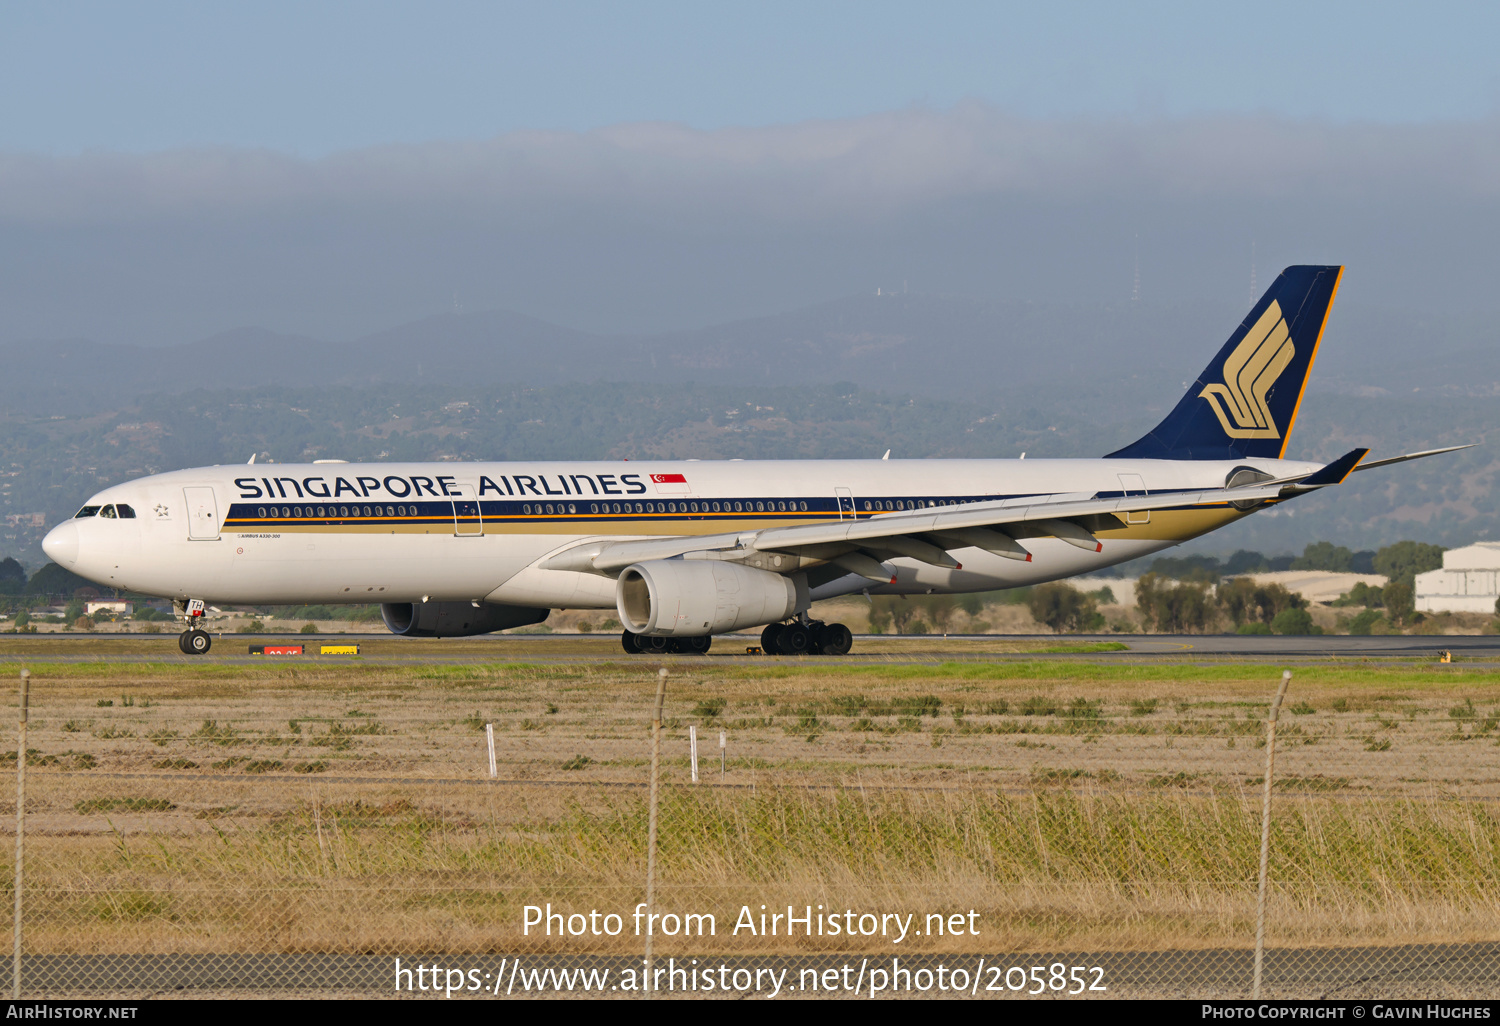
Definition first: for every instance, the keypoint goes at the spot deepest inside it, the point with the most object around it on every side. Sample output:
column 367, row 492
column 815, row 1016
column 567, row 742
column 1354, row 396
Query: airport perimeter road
column 907, row 649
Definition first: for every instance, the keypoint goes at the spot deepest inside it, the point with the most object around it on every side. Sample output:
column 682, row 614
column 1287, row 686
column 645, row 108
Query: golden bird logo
column 1249, row 373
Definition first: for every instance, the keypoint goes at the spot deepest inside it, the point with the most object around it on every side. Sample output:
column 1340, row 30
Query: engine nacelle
column 693, row 597
column 455, row 619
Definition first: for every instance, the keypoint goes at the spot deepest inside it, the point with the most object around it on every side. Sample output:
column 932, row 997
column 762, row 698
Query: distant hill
column 933, row 345
column 926, row 376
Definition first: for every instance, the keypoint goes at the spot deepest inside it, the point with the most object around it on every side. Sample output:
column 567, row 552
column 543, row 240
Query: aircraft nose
column 61, row 544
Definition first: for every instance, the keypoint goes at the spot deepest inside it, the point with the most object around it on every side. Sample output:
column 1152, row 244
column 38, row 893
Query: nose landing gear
column 194, row 640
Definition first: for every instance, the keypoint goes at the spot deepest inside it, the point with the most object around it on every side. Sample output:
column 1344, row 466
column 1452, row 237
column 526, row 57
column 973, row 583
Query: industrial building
column 1469, row 581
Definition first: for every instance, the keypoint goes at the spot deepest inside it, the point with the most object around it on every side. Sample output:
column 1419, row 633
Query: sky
column 168, row 171
column 312, row 78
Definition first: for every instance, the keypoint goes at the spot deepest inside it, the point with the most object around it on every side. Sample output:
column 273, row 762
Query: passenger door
column 202, row 514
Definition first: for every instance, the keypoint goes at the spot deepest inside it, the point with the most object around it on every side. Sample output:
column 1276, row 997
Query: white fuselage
column 361, row 533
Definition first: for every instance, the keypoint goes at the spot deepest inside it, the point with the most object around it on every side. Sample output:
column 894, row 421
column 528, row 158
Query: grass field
column 285, row 806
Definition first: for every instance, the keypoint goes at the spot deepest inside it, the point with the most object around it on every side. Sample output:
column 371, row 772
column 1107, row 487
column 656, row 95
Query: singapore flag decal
column 670, row 484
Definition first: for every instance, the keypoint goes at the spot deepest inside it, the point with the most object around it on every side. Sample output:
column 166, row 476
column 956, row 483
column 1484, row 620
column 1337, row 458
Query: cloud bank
column 657, row 225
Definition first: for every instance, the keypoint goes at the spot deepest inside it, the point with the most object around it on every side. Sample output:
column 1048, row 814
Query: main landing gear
column 812, row 638
column 648, row 644
column 796, row 638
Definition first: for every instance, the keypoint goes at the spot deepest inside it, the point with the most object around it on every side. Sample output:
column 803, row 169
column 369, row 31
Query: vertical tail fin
column 1245, row 402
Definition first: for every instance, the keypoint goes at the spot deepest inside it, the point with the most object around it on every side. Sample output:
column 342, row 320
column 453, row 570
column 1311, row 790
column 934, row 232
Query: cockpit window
column 126, row 512
column 108, row 512
column 87, row 511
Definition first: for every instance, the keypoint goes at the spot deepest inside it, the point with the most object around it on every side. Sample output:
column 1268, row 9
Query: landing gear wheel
column 696, row 646
column 196, row 642
column 835, row 639
column 770, row 642
column 654, row 645
column 793, row 639
column 182, row 642
column 631, row 642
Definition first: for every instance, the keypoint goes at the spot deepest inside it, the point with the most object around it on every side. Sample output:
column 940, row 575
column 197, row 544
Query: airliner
column 686, row 550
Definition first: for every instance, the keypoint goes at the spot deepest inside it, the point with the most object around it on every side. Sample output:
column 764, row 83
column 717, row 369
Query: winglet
column 1335, row 472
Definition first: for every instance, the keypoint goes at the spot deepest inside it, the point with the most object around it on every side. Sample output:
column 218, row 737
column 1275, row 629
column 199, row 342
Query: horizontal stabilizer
column 1413, row 456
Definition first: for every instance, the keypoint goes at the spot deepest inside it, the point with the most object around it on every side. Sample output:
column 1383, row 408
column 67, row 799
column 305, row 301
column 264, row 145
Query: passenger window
column 526, row 509
column 804, row 506
column 297, row 511
column 108, row 512
column 261, row 512
column 638, row 507
column 760, row 507
column 867, row 504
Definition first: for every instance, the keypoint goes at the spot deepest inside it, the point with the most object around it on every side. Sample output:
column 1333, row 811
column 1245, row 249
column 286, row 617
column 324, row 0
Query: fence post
column 489, row 736
column 15, row 958
column 693, row 749
column 1265, row 834
column 661, row 694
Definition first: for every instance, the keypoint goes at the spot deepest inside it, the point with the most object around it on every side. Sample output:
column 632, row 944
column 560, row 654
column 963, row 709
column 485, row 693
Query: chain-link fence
column 296, row 827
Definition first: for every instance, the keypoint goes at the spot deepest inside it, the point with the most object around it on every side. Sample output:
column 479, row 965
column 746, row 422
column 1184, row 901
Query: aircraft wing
column 1000, row 526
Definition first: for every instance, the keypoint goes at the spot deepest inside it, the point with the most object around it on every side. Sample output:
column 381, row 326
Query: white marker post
column 722, row 742
column 489, row 735
column 693, row 749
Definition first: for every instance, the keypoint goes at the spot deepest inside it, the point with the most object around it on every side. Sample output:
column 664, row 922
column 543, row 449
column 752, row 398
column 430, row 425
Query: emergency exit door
column 846, row 503
column 1134, row 485
column 467, row 522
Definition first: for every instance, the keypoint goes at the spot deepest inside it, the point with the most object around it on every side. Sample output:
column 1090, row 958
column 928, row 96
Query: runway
column 230, row 649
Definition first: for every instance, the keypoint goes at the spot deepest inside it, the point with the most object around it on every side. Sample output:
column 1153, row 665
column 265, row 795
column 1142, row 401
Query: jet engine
column 694, row 597
column 455, row 619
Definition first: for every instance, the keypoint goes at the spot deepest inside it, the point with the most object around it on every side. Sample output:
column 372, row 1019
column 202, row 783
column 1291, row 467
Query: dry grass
column 343, row 806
